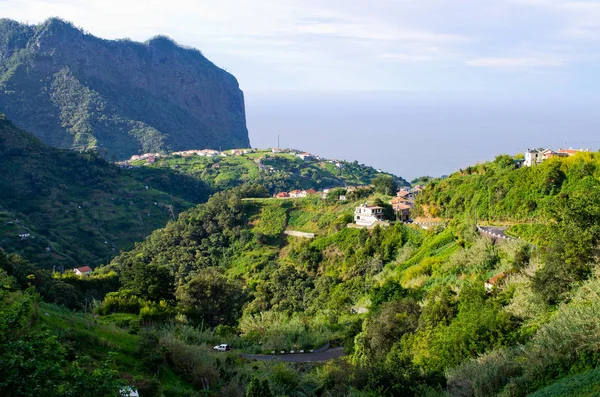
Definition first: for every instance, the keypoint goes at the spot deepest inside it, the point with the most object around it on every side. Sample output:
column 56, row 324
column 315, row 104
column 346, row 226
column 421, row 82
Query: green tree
column 258, row 388
column 385, row 184
column 211, row 297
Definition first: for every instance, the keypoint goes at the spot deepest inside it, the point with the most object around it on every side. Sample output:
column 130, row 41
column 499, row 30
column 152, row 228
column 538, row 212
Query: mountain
column 278, row 172
column 74, row 90
column 60, row 207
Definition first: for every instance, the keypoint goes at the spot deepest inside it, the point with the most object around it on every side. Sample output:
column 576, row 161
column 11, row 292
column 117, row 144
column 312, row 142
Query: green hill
column 499, row 192
column 279, row 172
column 119, row 97
column 408, row 305
column 76, row 209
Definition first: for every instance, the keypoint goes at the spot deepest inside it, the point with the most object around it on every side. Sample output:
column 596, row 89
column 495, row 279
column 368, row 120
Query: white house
column 366, row 215
column 305, row 156
column 532, row 157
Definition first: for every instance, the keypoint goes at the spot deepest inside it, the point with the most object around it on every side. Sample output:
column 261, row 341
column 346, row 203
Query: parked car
column 223, row 347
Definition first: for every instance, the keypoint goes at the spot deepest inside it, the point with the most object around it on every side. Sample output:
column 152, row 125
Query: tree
column 152, row 282
column 385, row 184
column 211, row 297
column 258, row 388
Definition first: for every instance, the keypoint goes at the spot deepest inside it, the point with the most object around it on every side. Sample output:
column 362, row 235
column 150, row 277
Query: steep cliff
column 74, row 90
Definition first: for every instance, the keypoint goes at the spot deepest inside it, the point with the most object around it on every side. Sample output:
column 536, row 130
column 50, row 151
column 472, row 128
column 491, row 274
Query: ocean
column 412, row 135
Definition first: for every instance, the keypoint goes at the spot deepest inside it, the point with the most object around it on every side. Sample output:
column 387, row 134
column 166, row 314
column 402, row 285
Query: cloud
column 514, row 62
column 383, row 44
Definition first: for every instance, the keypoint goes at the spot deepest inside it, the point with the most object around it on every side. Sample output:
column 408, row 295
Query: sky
column 325, row 62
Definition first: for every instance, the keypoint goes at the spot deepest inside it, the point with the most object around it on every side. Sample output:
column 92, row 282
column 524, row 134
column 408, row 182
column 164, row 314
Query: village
column 365, row 215
column 150, row 158
column 537, row 156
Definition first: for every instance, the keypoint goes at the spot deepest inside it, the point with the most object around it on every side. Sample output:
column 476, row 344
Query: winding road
column 495, row 231
column 314, row 357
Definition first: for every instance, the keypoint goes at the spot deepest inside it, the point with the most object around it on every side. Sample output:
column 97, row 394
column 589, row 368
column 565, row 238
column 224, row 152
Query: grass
column 97, row 336
column 581, row 385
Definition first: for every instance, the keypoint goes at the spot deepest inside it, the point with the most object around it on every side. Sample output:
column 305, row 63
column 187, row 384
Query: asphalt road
column 495, row 230
column 326, row 355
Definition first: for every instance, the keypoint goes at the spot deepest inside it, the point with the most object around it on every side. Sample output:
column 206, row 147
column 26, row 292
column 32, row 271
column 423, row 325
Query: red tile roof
column 84, row 269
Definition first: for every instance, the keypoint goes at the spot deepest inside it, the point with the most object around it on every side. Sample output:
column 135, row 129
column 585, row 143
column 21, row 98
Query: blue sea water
column 420, row 134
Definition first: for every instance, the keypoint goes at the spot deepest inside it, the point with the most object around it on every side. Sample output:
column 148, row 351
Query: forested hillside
column 119, row 97
column 410, row 306
column 62, row 208
column 497, row 191
column 278, row 172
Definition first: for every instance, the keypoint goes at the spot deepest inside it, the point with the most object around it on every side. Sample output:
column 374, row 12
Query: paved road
column 496, row 231
column 326, row 355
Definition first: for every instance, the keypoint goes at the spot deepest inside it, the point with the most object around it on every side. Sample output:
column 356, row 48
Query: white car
column 223, row 347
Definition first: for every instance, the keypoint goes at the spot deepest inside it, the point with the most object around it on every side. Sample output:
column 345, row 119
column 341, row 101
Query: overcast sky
column 349, row 45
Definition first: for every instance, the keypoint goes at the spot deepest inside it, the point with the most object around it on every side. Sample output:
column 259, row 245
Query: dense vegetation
column 408, row 305
column 497, row 192
column 279, row 172
column 76, row 209
column 74, row 90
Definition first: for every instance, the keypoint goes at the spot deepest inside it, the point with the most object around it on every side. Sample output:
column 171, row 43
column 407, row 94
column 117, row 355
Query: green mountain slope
column 74, row 90
column 279, row 172
column 498, row 192
column 71, row 208
column 409, row 305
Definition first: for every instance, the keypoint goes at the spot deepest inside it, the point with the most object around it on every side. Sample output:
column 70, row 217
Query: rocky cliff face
column 74, row 90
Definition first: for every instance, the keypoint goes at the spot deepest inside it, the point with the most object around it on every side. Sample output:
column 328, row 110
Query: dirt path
column 326, row 355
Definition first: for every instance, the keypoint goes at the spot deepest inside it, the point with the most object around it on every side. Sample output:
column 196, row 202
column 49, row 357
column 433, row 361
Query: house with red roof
column 83, row 271
column 493, row 282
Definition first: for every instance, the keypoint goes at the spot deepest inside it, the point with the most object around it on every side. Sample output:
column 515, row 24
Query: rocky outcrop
column 74, row 90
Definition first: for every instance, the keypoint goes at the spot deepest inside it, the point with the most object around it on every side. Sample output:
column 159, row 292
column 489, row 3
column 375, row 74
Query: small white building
column 83, row 271
column 305, row 156
column 533, row 157
column 366, row 215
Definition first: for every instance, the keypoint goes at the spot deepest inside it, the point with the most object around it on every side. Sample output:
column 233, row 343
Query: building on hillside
column 366, row 215
column 398, row 199
column 537, row 156
column 282, row 195
column 532, row 157
column 493, row 282
column 403, row 193
column 342, row 197
column 572, row 152
column 417, row 189
column 403, row 211
column 309, row 192
column 305, row 156
column 296, row 194
column 83, row 271
column 276, row 150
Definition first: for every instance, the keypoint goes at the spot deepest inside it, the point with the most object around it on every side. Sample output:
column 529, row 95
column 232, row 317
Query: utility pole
column 278, row 140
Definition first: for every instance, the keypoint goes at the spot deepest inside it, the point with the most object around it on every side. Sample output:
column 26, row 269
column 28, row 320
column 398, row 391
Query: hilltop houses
column 537, row 156
column 367, row 215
